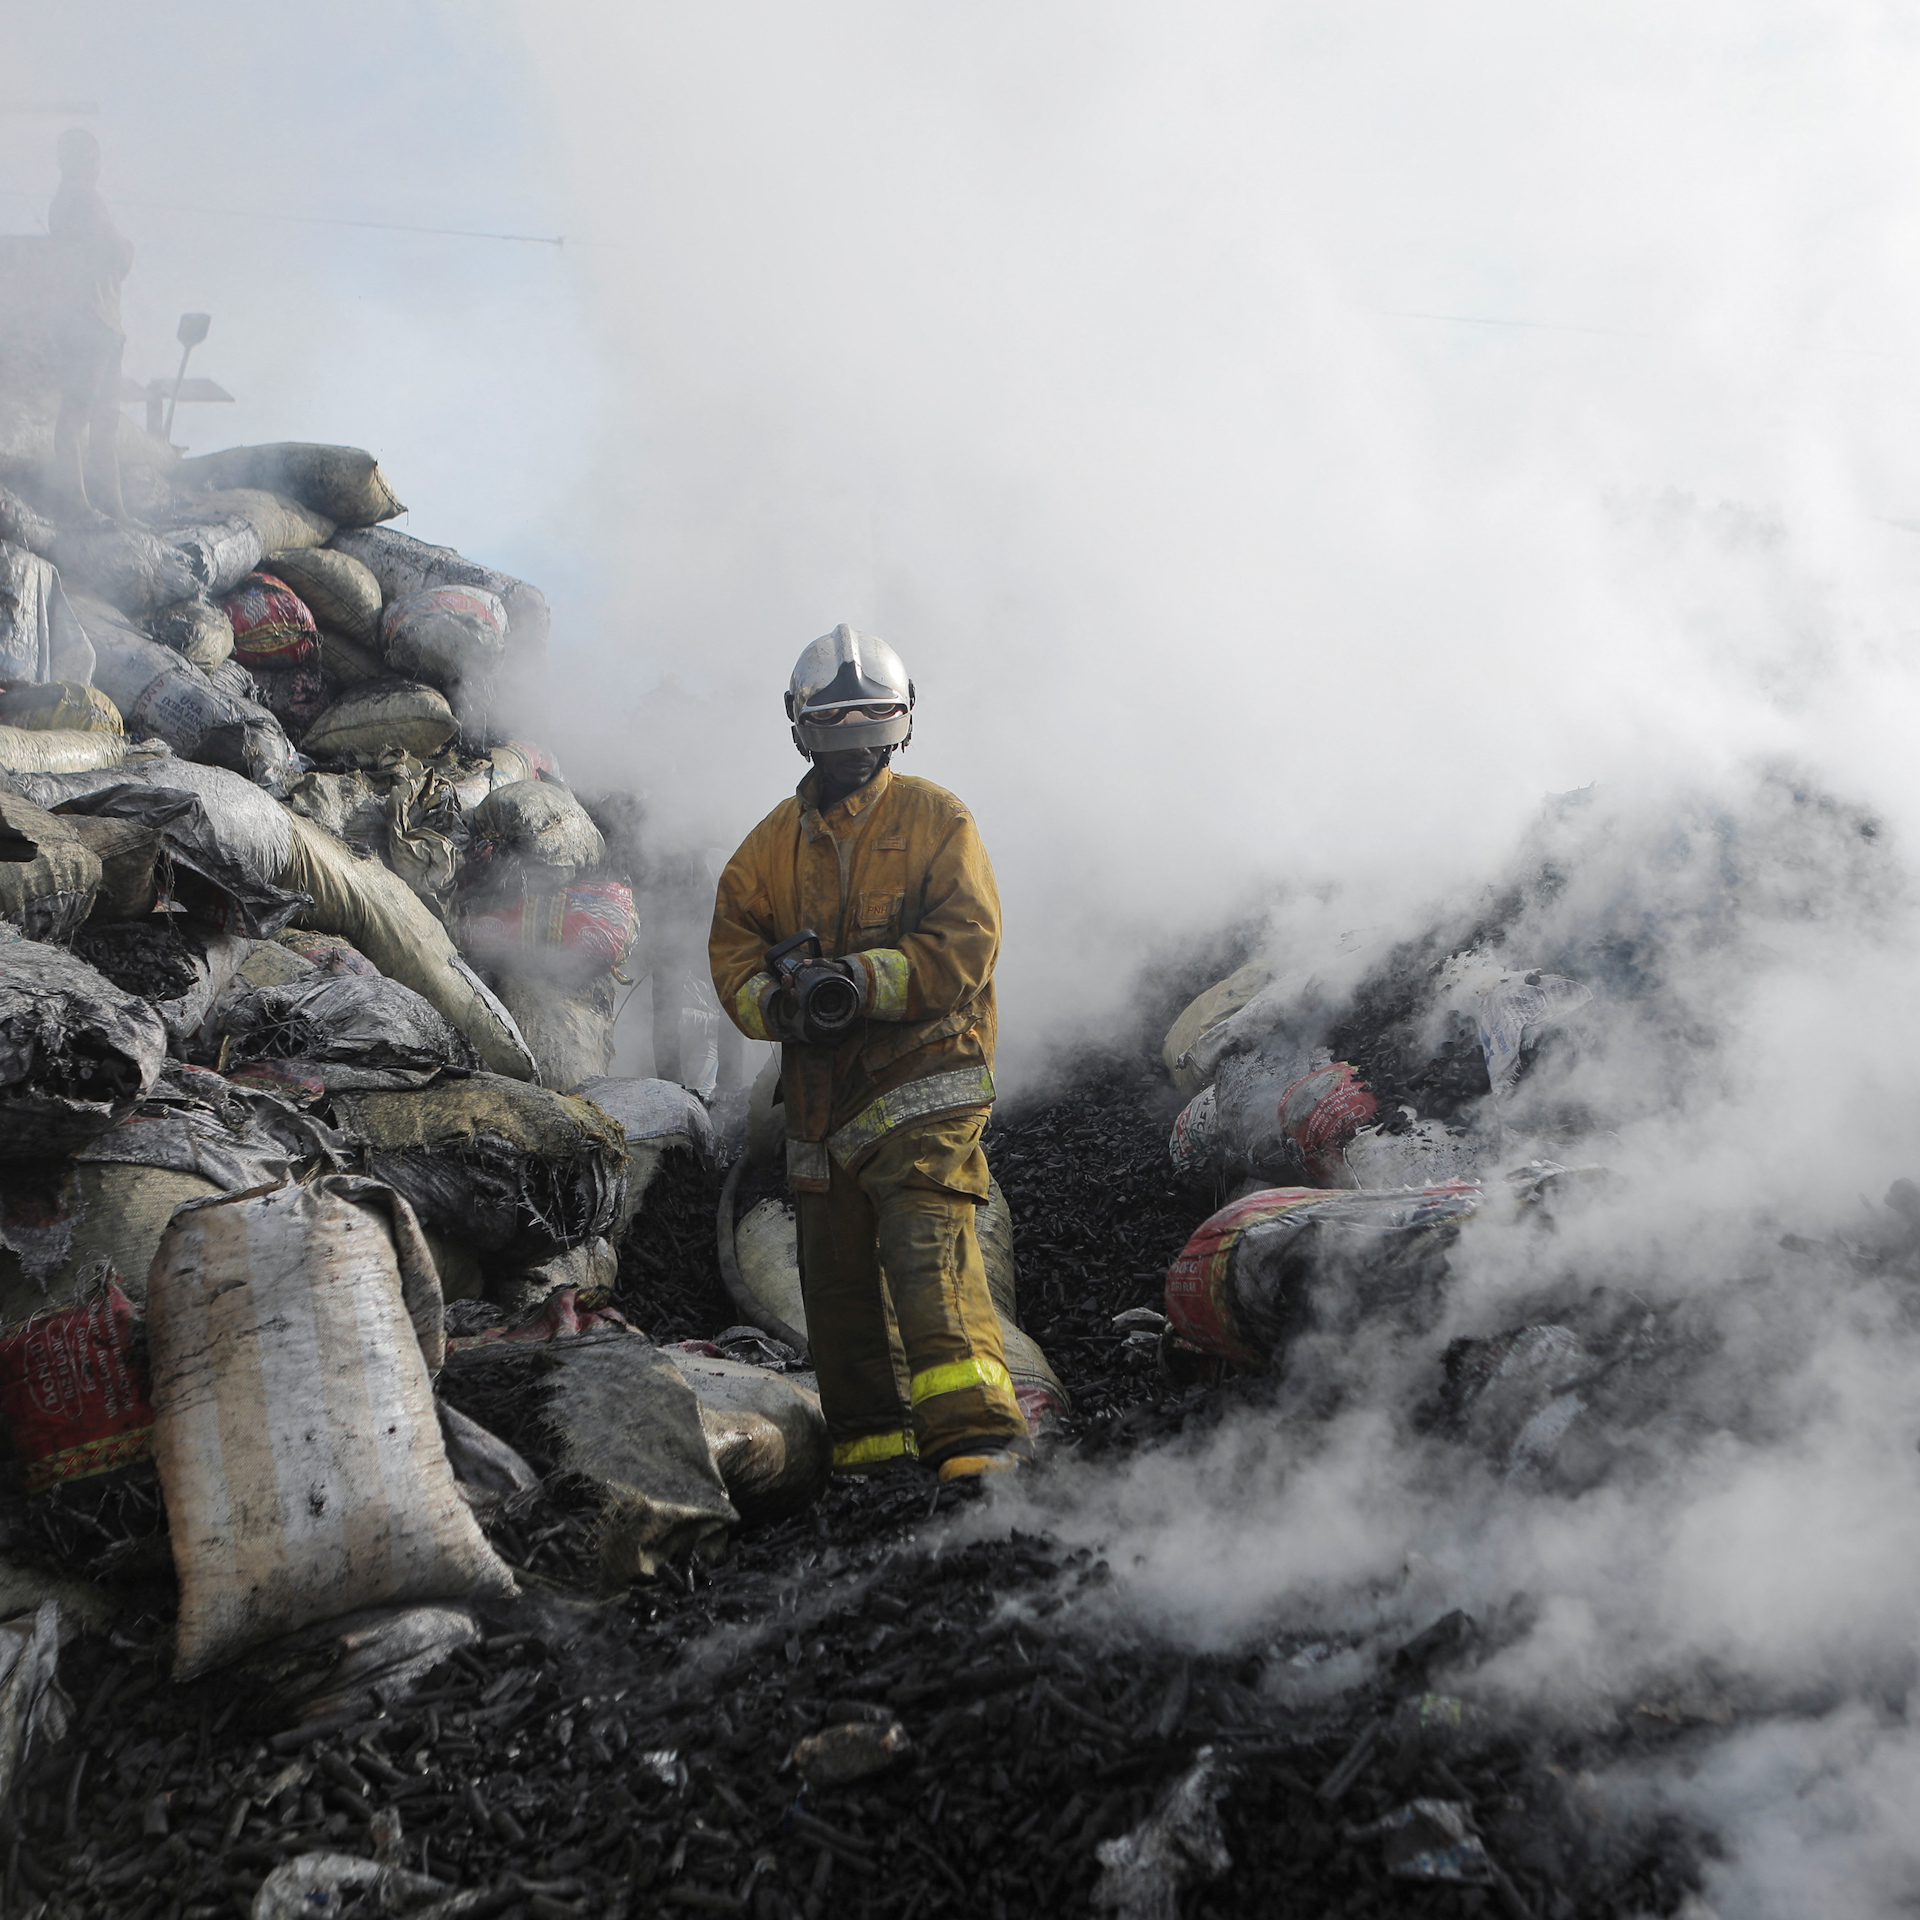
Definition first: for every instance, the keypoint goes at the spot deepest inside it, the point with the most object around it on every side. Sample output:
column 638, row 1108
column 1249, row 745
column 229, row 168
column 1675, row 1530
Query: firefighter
column 886, row 1023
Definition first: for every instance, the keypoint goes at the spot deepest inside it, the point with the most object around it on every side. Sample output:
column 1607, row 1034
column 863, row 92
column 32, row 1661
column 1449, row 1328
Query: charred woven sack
column 29, row 587
column 343, row 483
column 350, row 1018
column 1277, row 1264
column 510, row 1169
column 75, row 1052
column 448, row 635
column 73, row 1390
column 656, row 1116
column 49, row 876
column 158, row 692
column 35, row 750
column 126, row 566
column 1201, row 1016
column 568, row 1028
column 358, row 1665
column 271, row 624
column 614, row 1413
column 500, row 765
column 566, row 934
column 404, row 565
column 539, row 827
column 223, row 840
column 293, row 1335
column 24, row 526
column 351, row 806
column 218, row 553
column 197, row 629
column 347, row 661
column 295, row 696
column 374, row 909
column 234, row 820
column 768, row 1435
column 343, row 595
column 100, row 1214
column 129, row 855
column 327, row 951
column 58, row 706
column 277, row 521
column 375, row 715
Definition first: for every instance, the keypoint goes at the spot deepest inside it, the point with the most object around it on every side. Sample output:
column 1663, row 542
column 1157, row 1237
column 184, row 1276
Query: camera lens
column 830, row 1001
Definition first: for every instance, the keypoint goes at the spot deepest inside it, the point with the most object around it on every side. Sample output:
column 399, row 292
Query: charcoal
column 839, row 1755
column 145, row 957
column 624, row 1757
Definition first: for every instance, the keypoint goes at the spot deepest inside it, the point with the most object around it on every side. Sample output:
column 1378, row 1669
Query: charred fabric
column 417, row 1502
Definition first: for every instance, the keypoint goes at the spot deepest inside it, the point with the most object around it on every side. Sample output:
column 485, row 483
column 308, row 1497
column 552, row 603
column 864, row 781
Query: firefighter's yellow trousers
column 902, row 1327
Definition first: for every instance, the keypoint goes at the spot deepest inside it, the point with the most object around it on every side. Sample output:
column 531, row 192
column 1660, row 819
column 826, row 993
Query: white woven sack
column 294, row 1427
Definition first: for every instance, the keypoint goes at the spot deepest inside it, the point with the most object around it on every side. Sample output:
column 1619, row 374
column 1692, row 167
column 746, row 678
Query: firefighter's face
column 841, row 773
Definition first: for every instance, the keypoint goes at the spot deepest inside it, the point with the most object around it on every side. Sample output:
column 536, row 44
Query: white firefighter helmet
column 849, row 690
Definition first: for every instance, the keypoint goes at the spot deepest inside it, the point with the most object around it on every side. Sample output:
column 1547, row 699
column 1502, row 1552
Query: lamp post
column 191, row 331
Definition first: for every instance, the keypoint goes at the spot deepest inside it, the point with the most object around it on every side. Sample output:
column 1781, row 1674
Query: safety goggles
column 833, row 716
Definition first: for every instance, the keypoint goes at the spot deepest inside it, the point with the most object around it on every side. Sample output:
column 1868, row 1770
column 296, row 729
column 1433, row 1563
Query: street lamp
column 190, row 332
column 163, row 395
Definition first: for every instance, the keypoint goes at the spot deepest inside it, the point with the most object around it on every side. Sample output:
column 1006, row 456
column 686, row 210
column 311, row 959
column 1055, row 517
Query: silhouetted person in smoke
column 93, row 257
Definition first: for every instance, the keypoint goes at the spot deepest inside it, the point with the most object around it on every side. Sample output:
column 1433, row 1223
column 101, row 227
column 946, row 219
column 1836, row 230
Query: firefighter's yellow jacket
column 894, row 877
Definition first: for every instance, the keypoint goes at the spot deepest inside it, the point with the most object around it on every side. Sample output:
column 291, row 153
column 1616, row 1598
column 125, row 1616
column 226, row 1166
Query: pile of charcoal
column 613, row 1756
column 636, row 1756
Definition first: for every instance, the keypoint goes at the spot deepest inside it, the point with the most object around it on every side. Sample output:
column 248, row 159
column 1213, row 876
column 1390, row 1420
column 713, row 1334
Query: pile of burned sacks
column 1352, row 1134
column 1412, row 1164
column 306, row 954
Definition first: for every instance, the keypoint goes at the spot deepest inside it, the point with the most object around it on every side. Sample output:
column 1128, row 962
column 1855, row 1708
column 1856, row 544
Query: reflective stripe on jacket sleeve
column 750, row 1007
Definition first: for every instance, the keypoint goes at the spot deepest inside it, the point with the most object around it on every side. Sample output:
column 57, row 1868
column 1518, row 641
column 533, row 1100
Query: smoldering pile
column 584, row 1759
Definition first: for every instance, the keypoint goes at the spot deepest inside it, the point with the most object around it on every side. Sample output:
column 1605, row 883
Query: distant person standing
column 93, row 259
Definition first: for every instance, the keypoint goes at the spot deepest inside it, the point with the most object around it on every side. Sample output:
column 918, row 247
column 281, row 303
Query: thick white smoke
column 1062, row 349
column 1743, row 1551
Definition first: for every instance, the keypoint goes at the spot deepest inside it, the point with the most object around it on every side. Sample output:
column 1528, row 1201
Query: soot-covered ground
column 628, row 1755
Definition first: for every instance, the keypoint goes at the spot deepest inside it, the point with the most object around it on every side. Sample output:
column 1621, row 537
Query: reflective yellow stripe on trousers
column 871, row 1449
column 958, row 1375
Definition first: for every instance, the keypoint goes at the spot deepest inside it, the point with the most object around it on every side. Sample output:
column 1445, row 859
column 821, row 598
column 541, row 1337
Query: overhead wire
column 313, row 219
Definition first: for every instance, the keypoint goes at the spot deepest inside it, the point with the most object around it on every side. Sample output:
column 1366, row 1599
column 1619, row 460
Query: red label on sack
column 1323, row 1111
column 477, row 606
column 74, row 1402
column 1197, row 1280
column 593, row 924
column 271, row 624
